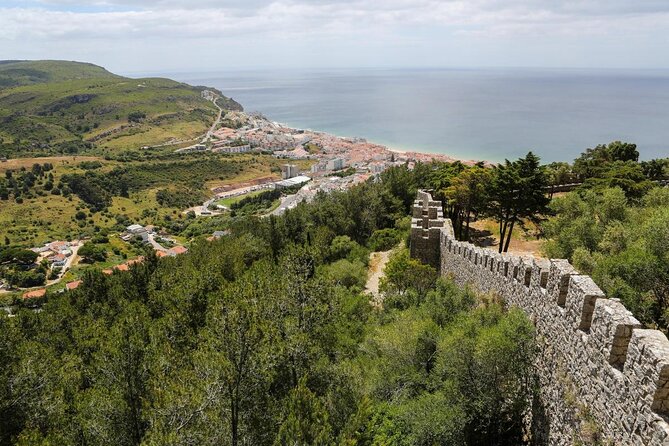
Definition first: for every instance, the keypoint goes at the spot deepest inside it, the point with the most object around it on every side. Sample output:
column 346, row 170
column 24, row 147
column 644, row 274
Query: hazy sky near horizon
column 207, row 35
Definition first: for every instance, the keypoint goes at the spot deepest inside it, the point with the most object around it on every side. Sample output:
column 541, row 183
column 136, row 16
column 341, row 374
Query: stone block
column 582, row 294
column 558, row 280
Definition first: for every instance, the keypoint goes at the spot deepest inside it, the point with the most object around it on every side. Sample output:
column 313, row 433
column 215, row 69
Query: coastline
column 409, row 154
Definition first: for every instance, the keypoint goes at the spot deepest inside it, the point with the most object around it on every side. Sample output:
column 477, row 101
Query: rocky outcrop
column 603, row 379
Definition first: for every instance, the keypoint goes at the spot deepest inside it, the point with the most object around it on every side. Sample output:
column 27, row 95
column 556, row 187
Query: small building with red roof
column 73, row 285
column 179, row 250
column 35, row 294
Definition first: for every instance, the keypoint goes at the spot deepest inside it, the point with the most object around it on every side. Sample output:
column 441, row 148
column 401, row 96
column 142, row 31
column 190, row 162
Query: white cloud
column 201, row 19
column 250, row 29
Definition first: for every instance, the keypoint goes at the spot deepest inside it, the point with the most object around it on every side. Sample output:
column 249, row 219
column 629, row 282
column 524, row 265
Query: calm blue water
column 471, row 114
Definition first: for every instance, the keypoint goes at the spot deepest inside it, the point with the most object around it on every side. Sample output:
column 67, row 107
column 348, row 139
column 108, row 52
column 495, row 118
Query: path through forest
column 377, row 263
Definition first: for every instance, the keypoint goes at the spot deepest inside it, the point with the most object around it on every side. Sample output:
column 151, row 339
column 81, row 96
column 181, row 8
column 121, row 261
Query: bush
column 136, row 116
column 92, row 253
column 346, row 273
column 384, row 239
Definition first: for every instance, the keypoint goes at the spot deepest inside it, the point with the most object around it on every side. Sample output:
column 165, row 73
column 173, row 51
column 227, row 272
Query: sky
column 145, row 36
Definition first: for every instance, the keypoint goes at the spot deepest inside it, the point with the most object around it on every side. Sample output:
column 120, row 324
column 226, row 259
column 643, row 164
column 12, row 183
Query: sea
column 481, row 114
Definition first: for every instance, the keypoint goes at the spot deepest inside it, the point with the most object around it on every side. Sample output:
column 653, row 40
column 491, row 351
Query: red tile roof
column 179, row 250
column 107, row 272
column 34, row 294
column 73, row 285
column 139, row 259
column 122, row 267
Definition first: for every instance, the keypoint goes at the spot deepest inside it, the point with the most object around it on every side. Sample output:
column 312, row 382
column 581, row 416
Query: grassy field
column 227, row 202
column 261, row 166
column 18, row 163
column 44, row 218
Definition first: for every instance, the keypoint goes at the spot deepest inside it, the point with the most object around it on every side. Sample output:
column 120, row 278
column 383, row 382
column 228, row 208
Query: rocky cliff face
column 602, row 378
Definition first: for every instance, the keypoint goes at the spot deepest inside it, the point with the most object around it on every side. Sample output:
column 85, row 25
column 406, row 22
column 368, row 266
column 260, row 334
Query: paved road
column 157, row 246
column 287, row 202
column 207, row 137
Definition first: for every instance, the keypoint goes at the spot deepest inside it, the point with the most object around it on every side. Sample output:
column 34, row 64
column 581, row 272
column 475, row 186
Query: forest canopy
column 257, row 338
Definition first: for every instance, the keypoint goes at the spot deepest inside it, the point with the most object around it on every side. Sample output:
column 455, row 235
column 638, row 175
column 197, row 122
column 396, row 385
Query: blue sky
column 208, row 35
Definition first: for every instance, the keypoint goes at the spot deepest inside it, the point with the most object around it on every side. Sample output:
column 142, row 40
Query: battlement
column 594, row 354
column 426, row 225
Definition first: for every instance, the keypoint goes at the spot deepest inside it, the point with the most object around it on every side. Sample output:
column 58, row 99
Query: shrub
column 384, row 239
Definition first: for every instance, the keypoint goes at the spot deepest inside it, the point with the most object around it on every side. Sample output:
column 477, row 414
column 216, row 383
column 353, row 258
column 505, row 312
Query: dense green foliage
column 614, row 228
column 96, row 189
column 180, row 197
column 511, row 193
column 90, row 252
column 255, row 203
column 622, row 244
column 263, row 337
column 18, row 268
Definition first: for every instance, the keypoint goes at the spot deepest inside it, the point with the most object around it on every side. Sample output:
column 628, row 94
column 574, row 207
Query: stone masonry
column 602, row 378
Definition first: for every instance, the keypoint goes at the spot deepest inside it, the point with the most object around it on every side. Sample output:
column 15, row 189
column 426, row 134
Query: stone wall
column 602, row 378
column 426, row 226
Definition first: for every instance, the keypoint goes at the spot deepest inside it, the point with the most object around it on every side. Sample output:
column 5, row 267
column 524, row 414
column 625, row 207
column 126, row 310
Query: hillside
column 55, row 107
column 15, row 73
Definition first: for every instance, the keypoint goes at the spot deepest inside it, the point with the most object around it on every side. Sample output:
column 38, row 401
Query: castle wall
column 602, row 377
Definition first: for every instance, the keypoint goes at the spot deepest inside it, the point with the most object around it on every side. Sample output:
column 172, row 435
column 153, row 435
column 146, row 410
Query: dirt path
column 377, row 263
column 485, row 234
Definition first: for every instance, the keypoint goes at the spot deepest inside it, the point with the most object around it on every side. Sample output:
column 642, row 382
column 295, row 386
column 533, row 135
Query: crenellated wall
column 602, row 377
column 426, row 226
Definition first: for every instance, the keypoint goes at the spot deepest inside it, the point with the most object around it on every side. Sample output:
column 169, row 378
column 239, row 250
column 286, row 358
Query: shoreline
column 413, row 154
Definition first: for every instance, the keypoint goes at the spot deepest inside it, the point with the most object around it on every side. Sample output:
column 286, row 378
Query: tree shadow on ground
column 483, row 238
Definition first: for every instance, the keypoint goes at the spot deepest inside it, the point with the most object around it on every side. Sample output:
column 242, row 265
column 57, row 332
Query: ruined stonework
column 602, row 378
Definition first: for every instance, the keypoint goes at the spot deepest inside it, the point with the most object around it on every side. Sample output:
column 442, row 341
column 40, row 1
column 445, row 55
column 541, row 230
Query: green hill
column 51, row 107
column 15, row 73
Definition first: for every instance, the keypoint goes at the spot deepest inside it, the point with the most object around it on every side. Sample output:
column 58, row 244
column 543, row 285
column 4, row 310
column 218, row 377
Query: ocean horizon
column 481, row 114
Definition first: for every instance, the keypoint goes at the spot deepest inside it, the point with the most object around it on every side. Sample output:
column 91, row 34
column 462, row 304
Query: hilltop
column 59, row 107
column 16, row 73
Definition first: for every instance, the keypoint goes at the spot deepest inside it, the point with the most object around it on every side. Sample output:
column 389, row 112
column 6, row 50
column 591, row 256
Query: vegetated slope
column 271, row 322
column 15, row 73
column 51, row 107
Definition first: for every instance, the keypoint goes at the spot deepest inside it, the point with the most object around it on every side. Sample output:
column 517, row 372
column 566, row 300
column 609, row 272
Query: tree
column 24, row 256
column 92, row 253
column 305, row 421
column 488, row 357
column 404, row 274
column 592, row 161
column 655, row 168
column 136, row 116
column 112, row 410
column 518, row 192
column 469, row 192
column 627, row 175
column 237, row 354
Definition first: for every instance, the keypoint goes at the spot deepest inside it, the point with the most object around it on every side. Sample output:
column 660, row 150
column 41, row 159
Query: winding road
column 212, row 129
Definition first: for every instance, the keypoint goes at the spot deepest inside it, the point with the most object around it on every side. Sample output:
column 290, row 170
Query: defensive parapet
column 601, row 375
column 426, row 225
